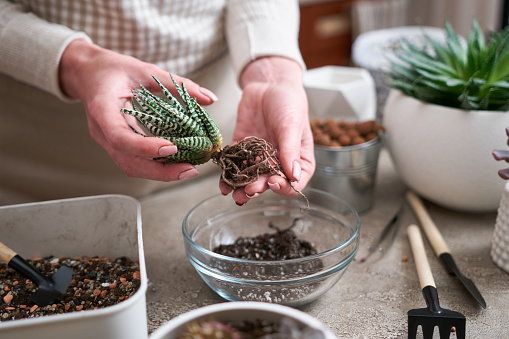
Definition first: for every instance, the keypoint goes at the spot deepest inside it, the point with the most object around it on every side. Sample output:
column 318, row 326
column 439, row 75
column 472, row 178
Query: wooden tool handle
column 429, row 227
column 6, row 253
column 421, row 260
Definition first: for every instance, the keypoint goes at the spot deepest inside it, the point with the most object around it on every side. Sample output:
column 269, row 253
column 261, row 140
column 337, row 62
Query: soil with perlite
column 97, row 283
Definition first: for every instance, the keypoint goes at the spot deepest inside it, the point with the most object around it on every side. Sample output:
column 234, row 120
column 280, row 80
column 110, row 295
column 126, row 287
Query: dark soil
column 282, row 245
column 97, row 283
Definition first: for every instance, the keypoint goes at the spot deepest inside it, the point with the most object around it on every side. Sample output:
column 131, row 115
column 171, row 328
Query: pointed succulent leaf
column 168, row 126
column 210, row 126
column 189, row 127
column 476, row 40
column 173, row 102
column 420, row 61
column 143, row 107
column 456, row 47
column 191, row 143
column 441, row 51
column 191, row 156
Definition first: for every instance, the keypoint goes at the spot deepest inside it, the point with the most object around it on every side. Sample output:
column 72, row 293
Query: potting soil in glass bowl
column 319, row 243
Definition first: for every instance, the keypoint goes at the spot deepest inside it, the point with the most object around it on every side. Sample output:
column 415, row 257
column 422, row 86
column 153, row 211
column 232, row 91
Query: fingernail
column 504, row 173
column 296, row 171
column 188, row 174
column 240, row 203
column 209, row 93
column 252, row 196
column 500, row 154
column 167, row 150
column 275, row 187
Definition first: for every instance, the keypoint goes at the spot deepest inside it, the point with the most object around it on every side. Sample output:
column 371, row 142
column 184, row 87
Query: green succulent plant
column 188, row 125
column 198, row 139
column 469, row 74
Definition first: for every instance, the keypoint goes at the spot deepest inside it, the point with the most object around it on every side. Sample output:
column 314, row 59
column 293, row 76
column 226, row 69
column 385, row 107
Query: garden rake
column 433, row 315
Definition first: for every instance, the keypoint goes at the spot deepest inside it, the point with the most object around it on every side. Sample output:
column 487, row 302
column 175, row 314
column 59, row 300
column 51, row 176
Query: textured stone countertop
column 373, row 297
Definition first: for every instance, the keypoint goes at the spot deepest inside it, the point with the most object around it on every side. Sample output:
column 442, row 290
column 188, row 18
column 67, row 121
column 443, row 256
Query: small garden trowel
column 50, row 289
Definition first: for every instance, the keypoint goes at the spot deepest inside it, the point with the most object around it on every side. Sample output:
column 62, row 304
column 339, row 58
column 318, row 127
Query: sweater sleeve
column 31, row 48
column 257, row 28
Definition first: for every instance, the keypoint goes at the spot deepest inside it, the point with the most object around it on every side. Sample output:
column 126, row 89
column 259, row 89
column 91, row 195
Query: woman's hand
column 503, row 155
column 103, row 80
column 274, row 107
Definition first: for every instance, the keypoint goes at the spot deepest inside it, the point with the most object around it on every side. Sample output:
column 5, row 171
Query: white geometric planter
column 444, row 154
column 500, row 240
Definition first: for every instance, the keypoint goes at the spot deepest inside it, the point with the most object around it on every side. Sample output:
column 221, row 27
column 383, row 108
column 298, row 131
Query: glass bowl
column 330, row 224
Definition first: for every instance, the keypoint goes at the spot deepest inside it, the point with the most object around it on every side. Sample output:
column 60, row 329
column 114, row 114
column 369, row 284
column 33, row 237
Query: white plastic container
column 239, row 311
column 104, row 226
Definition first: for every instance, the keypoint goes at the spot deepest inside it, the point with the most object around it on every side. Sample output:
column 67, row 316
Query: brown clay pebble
column 322, row 139
column 8, row 298
column 345, row 140
column 344, row 133
column 371, row 136
column 366, row 127
column 95, row 284
column 357, row 140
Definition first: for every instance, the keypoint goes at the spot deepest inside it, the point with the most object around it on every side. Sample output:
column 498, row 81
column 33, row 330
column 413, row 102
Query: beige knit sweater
column 180, row 36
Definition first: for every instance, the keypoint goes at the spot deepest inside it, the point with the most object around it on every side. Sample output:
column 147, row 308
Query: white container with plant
column 446, row 112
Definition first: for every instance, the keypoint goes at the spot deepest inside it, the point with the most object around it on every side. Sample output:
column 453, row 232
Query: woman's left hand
column 274, row 107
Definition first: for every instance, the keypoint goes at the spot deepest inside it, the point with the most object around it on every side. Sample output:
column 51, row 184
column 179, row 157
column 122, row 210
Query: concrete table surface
column 373, row 297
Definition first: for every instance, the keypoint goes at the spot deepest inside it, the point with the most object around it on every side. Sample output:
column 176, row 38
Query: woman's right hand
column 103, row 80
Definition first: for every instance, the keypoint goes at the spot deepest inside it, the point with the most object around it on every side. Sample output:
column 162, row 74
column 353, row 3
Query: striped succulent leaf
column 470, row 74
column 188, row 126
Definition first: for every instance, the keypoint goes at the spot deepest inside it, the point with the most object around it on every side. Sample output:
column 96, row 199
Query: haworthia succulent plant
column 188, row 125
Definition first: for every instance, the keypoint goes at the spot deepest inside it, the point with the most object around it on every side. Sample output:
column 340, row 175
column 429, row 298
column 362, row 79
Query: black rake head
column 433, row 316
column 447, row 321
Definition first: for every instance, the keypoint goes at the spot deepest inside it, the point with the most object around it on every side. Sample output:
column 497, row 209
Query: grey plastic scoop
column 50, row 289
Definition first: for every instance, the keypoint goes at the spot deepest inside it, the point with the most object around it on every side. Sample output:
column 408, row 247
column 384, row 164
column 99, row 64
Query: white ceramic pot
column 444, row 154
column 238, row 311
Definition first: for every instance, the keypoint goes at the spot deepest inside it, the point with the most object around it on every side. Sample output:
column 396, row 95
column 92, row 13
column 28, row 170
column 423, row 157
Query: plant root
column 243, row 162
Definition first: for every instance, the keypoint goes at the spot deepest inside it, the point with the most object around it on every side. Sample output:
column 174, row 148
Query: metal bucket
column 348, row 172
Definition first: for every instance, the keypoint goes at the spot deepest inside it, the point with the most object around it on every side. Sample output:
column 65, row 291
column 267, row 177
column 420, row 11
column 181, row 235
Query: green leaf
column 191, row 143
column 456, row 49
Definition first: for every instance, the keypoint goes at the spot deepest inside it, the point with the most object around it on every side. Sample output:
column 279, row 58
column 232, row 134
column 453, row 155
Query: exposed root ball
column 244, row 161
